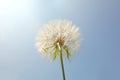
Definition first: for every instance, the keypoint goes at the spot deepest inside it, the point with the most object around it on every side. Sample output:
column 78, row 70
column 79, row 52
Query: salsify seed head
column 57, row 35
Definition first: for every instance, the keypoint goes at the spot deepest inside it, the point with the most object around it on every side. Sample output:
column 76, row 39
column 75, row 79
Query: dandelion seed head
column 62, row 32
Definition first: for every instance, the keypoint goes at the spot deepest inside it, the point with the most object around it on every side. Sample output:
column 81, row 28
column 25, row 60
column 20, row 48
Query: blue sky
column 99, row 55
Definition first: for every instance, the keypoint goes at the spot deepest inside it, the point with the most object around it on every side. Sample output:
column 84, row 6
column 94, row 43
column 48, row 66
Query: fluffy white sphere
column 58, row 32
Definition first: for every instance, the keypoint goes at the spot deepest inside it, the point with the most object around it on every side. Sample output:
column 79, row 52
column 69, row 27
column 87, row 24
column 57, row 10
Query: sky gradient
column 99, row 54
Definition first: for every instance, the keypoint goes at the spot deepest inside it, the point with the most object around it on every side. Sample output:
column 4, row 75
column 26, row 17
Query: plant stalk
column 62, row 64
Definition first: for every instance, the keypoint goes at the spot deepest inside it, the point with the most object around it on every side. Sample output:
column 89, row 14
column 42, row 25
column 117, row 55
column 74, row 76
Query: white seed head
column 58, row 32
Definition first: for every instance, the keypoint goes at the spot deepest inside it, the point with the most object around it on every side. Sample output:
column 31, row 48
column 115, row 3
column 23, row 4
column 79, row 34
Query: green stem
column 62, row 64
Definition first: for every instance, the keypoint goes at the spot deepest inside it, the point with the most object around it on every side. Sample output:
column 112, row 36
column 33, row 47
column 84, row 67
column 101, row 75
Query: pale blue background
column 99, row 55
